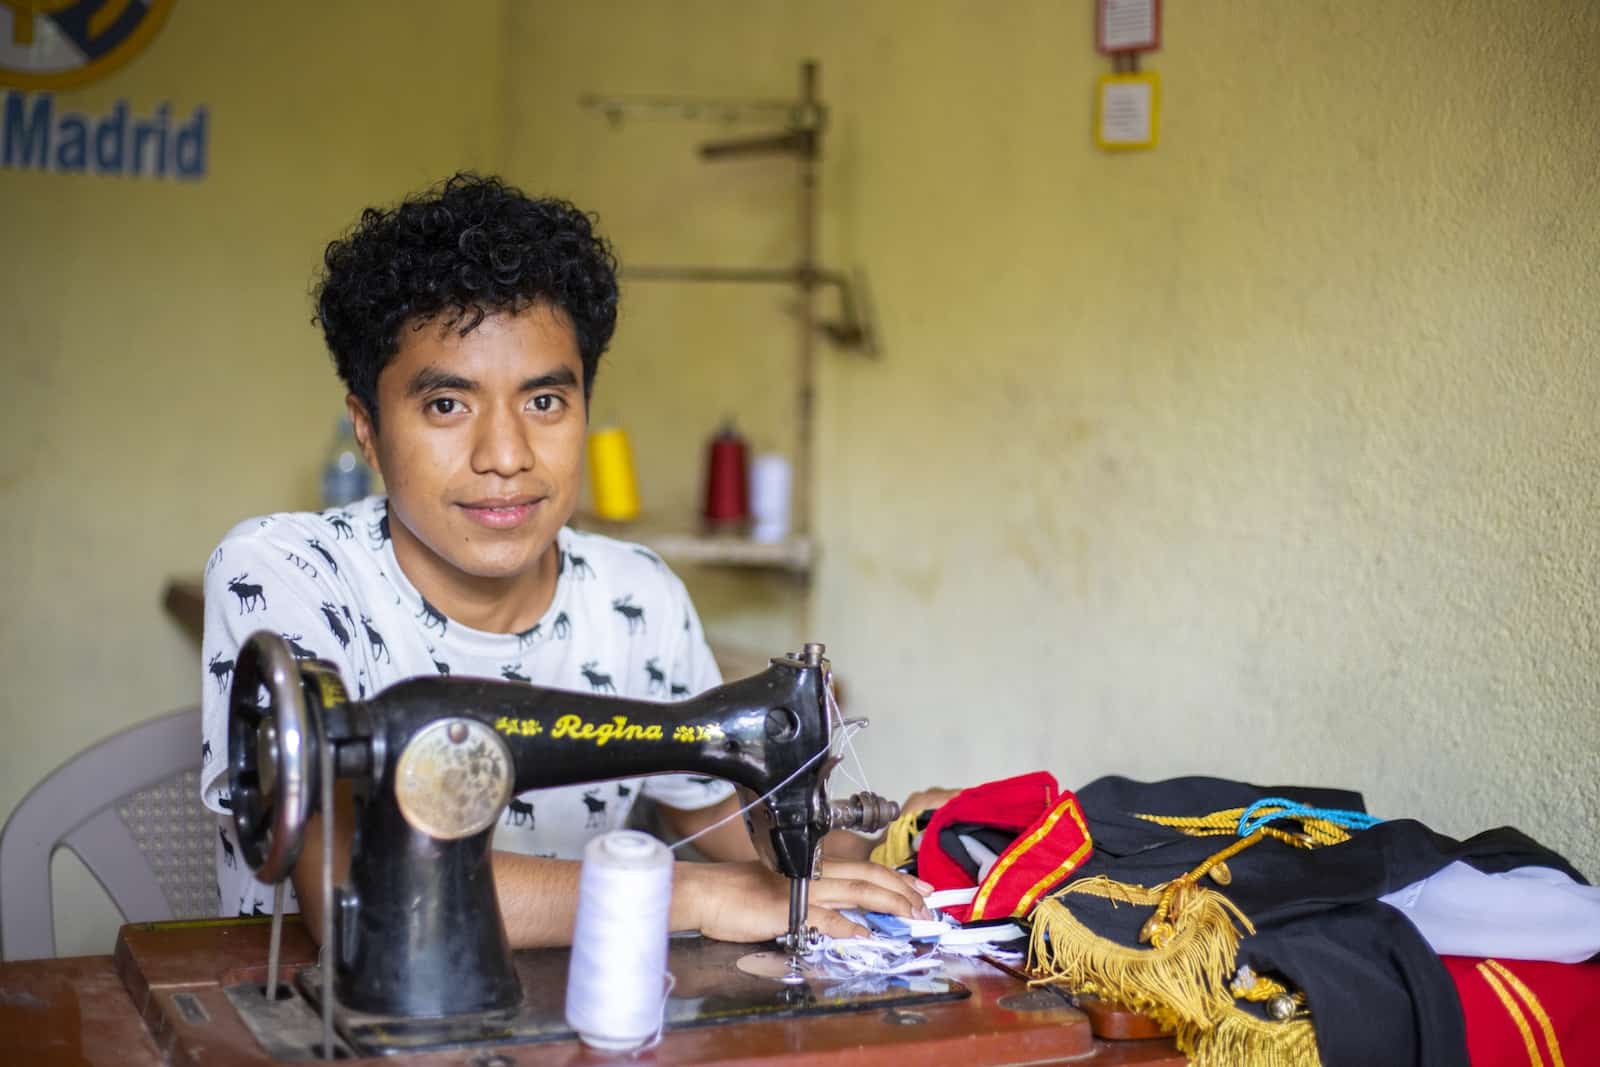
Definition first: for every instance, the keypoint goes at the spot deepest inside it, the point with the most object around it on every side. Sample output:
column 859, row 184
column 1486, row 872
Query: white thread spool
column 617, row 980
column 769, row 498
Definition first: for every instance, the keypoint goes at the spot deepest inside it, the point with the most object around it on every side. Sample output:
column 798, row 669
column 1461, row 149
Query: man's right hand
column 747, row 902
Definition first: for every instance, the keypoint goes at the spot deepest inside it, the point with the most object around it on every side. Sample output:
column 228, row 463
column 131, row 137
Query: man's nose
column 502, row 445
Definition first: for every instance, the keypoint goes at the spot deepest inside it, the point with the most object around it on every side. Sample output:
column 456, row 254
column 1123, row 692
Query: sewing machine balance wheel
column 272, row 755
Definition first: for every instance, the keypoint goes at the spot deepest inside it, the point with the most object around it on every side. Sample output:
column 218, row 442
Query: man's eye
column 442, row 405
column 546, row 403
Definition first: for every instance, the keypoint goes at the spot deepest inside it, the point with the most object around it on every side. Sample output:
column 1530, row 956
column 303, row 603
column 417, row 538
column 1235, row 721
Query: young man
column 467, row 325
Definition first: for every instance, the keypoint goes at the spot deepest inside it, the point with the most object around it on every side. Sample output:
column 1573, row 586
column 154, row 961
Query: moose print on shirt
column 431, row 615
column 528, row 636
column 331, row 615
column 512, row 672
column 600, row 683
column 596, row 807
column 580, row 566
column 561, row 628
column 298, row 650
column 657, row 677
column 519, row 813
column 318, row 547
column 221, row 669
column 625, row 607
column 250, row 596
column 205, row 752
column 228, row 855
column 375, row 639
column 378, row 532
column 340, row 521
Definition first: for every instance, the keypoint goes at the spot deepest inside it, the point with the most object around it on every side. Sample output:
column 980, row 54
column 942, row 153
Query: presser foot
column 776, row 966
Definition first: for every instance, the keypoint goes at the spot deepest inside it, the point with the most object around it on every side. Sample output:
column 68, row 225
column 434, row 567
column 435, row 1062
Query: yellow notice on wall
column 1127, row 112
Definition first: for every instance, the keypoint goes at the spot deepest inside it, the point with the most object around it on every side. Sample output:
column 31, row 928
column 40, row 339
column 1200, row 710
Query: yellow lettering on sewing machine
column 618, row 729
column 518, row 727
column 703, row 732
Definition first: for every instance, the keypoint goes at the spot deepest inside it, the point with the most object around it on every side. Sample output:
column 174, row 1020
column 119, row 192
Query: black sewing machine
column 416, row 934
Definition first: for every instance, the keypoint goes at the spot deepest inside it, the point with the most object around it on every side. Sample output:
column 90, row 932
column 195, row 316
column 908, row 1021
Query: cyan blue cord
column 1350, row 820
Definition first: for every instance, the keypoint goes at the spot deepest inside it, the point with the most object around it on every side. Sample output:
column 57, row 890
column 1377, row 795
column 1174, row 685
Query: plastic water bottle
column 345, row 477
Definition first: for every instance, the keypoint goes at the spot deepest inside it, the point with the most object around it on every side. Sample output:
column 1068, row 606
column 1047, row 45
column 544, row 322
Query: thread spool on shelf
column 727, row 505
column 769, row 498
column 612, row 480
column 617, row 981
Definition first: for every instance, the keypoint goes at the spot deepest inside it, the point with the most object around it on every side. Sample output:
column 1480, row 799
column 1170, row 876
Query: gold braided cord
column 1225, row 823
column 1259, row 988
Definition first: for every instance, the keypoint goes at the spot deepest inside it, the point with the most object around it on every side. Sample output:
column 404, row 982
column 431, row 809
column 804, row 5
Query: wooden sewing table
column 159, row 1001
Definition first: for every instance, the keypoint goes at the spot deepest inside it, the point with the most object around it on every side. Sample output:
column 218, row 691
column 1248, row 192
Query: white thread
column 769, row 498
column 851, row 728
column 617, row 981
column 848, row 745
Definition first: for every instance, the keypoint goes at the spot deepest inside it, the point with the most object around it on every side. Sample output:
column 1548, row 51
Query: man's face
column 480, row 445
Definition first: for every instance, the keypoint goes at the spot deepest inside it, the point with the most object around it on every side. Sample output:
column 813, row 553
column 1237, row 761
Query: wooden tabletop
column 160, row 1000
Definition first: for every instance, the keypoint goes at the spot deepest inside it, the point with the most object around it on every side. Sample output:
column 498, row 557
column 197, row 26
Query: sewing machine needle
column 799, row 894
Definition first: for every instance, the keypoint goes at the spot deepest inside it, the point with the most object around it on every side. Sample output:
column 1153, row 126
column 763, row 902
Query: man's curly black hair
column 468, row 247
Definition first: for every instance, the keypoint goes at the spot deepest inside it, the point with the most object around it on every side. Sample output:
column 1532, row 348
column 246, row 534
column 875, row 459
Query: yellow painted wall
column 164, row 379
column 1270, row 454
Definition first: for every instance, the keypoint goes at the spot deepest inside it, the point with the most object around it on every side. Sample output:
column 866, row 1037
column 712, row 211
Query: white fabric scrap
column 1531, row 913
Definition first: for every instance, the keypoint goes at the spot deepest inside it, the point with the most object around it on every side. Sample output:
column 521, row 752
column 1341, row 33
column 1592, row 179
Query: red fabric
column 1018, row 805
column 1566, row 995
column 1043, row 854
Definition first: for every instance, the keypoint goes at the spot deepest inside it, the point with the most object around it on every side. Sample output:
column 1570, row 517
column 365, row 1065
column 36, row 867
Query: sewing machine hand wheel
column 272, row 769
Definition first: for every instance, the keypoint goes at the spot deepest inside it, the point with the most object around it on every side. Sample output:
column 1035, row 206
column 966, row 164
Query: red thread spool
column 727, row 485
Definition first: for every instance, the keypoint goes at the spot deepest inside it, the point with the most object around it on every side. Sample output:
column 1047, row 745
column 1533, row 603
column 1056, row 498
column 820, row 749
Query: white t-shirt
column 621, row 622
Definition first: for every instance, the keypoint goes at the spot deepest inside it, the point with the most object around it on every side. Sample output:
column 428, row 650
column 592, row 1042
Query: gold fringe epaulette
column 1182, row 981
column 1240, row 1039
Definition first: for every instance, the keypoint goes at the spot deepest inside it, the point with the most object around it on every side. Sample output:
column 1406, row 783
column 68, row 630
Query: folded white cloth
column 1531, row 913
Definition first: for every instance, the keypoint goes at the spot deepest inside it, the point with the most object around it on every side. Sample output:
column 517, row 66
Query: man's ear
column 366, row 435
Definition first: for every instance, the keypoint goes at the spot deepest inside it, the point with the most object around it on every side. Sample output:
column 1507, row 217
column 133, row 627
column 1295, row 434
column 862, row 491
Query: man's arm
column 730, row 841
column 728, row 901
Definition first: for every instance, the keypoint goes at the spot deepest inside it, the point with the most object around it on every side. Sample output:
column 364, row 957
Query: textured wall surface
column 165, row 379
column 1269, row 454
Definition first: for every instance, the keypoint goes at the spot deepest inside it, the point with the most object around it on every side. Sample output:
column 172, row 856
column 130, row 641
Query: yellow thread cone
column 616, row 491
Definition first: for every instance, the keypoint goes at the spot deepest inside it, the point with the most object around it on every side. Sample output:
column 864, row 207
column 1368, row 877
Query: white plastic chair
column 129, row 807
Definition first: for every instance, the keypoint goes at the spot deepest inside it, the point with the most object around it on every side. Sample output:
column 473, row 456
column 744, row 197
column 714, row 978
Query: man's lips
column 501, row 513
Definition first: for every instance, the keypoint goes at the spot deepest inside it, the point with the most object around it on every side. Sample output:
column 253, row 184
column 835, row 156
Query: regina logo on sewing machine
column 617, row 729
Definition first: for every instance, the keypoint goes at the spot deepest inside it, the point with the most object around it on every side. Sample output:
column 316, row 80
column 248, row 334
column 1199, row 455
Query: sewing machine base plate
column 709, row 990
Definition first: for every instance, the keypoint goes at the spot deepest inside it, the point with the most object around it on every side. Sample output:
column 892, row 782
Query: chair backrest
column 129, row 807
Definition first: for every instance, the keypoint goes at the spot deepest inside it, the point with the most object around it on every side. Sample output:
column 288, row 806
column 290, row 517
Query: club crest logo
column 64, row 44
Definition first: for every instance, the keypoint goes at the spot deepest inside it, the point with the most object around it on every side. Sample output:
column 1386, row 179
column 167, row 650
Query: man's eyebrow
column 554, row 380
column 430, row 378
